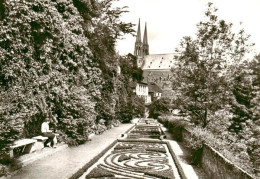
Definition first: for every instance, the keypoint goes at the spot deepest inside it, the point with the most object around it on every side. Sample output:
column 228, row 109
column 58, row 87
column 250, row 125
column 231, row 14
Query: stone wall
column 215, row 164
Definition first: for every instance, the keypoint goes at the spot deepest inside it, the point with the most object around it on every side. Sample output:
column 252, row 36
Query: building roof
column 158, row 61
column 157, row 73
column 143, row 82
column 133, row 84
column 153, row 88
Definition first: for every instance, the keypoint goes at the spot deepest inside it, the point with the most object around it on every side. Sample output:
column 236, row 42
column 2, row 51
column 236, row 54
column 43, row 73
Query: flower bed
column 146, row 131
column 136, row 159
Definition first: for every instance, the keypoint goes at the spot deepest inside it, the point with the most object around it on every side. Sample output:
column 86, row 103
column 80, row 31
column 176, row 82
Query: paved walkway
column 65, row 163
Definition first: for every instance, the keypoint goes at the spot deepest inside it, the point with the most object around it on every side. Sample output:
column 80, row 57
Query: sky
column 170, row 20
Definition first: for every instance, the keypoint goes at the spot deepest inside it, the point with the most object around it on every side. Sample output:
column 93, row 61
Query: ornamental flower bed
column 146, row 131
column 136, row 159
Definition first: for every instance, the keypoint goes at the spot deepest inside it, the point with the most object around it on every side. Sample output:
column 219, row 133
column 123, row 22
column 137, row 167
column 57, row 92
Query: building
column 148, row 91
column 154, row 92
column 141, row 90
column 157, row 68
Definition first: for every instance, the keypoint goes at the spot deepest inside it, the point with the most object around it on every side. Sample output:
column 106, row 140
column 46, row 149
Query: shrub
column 196, row 141
column 174, row 125
column 232, row 148
column 159, row 107
column 123, row 157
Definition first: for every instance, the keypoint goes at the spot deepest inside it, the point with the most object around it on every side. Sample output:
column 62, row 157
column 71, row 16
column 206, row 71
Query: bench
column 40, row 142
column 27, row 145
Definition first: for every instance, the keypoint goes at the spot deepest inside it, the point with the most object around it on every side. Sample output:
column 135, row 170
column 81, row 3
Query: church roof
column 158, row 62
column 157, row 73
column 153, row 88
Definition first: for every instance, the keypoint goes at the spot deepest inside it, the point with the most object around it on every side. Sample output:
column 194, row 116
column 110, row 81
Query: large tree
column 207, row 64
column 46, row 69
column 106, row 28
column 57, row 59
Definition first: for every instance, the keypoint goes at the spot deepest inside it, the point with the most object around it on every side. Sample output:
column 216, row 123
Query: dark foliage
column 159, row 107
column 58, row 60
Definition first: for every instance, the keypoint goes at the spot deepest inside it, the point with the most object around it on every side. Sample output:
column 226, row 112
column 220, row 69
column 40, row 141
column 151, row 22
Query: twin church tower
column 141, row 48
column 157, row 68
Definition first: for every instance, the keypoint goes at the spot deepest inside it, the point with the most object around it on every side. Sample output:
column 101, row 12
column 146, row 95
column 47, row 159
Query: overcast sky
column 169, row 20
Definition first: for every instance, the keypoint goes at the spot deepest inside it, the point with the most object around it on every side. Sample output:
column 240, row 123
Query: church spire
column 138, row 42
column 138, row 37
column 145, row 42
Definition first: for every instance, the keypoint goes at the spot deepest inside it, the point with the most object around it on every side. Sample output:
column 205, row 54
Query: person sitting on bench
column 46, row 132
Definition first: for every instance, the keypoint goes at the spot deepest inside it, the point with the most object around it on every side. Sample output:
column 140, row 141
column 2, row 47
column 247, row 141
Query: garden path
column 65, row 163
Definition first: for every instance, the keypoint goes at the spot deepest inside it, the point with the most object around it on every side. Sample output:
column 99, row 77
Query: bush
column 174, row 125
column 159, row 107
column 198, row 137
column 9, row 164
column 138, row 106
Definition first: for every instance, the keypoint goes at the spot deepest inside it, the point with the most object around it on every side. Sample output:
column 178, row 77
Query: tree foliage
column 129, row 105
column 58, row 60
column 219, row 88
column 159, row 107
column 207, row 64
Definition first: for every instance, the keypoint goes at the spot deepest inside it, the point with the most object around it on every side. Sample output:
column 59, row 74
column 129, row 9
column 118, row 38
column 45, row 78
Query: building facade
column 142, row 91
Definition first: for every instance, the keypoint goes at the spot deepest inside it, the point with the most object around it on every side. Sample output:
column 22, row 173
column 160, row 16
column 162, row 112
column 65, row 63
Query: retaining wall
column 215, row 164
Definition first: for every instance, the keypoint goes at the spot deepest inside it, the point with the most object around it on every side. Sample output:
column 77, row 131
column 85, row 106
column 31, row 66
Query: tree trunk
column 205, row 118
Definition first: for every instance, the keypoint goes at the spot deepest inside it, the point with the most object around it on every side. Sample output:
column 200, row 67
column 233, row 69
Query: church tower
column 141, row 48
column 138, row 43
column 145, row 42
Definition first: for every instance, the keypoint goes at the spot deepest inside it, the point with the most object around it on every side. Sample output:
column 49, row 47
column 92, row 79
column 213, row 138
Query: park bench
column 26, row 145
column 39, row 144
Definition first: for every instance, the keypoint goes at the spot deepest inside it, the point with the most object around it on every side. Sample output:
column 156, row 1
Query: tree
column 103, row 27
column 159, row 107
column 242, row 95
column 206, row 65
column 253, row 141
column 138, row 106
column 46, row 69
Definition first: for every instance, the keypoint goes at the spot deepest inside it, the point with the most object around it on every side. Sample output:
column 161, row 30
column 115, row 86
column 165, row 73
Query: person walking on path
column 46, row 132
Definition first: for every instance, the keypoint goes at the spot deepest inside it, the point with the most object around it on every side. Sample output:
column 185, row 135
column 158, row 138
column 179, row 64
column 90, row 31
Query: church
column 156, row 67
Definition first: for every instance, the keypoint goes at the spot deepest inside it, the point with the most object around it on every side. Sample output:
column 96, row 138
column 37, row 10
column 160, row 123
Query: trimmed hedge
column 175, row 125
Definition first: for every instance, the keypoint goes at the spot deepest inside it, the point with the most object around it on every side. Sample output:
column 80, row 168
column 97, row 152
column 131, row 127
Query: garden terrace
column 146, row 131
column 137, row 159
column 146, row 128
column 142, row 156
